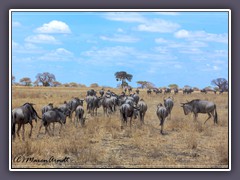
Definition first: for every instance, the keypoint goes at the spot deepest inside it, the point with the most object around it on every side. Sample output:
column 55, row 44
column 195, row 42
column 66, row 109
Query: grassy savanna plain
column 102, row 144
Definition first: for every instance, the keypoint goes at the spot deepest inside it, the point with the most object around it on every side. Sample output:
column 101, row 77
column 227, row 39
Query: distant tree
column 45, row 78
column 56, row 83
column 73, row 84
column 13, row 79
column 26, row 81
column 82, row 85
column 94, row 85
column 221, row 83
column 123, row 76
column 143, row 84
column 187, row 87
column 173, row 86
column 146, row 84
column 195, row 88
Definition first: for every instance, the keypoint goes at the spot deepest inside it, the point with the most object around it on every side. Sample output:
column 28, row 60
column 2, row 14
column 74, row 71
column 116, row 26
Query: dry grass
column 102, row 143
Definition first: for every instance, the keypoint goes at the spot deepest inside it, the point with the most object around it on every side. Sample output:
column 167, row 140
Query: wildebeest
column 142, row 106
column 23, row 115
column 135, row 98
column 107, row 104
column 91, row 92
column 93, row 103
column 52, row 116
column 127, row 111
column 79, row 116
column 137, row 91
column 162, row 113
column 157, row 91
column 73, row 105
column 175, row 90
column 149, row 91
column 167, row 91
column 65, row 108
column 168, row 103
column 203, row 91
column 201, row 106
column 101, row 92
column 47, row 108
column 187, row 91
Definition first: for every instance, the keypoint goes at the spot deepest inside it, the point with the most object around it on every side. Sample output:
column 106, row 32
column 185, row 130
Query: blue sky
column 184, row 48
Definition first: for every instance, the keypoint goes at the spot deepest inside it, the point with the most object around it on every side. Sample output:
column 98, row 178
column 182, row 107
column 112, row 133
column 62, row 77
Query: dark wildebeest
column 187, row 91
column 47, row 108
column 23, row 115
column 127, row 111
column 203, row 91
column 73, row 105
column 93, row 103
column 149, row 91
column 175, row 90
column 162, row 113
column 129, row 90
column 91, row 92
column 201, row 106
column 135, row 98
column 156, row 90
column 137, row 91
column 221, row 91
column 65, row 108
column 142, row 106
column 101, row 92
column 79, row 116
column 52, row 116
column 168, row 103
column 167, row 91
column 107, row 104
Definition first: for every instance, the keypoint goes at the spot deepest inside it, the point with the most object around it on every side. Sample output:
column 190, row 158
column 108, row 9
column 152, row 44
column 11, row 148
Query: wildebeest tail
column 215, row 116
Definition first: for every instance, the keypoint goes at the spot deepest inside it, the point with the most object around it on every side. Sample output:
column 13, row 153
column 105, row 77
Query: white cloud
column 120, row 30
column 42, row 38
column 158, row 25
column 120, row 38
column 124, row 16
column 202, row 36
column 16, row 24
column 54, row 27
column 161, row 40
column 59, row 54
column 26, row 48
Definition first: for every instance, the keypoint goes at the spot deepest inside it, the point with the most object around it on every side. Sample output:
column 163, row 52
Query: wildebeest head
column 187, row 108
column 32, row 111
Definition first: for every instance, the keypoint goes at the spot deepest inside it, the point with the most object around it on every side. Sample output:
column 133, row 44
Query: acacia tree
column 221, row 83
column 173, row 86
column 45, row 78
column 123, row 76
column 145, row 84
column 26, row 81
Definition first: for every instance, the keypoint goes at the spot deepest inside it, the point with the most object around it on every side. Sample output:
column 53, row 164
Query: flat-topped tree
column 45, row 78
column 123, row 76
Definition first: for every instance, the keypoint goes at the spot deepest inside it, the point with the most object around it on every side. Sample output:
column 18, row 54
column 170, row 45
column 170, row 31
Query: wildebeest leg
column 30, row 134
column 23, row 132
column 161, row 124
column 60, row 128
column 130, row 122
column 46, row 129
column 209, row 116
column 195, row 116
column 40, row 129
column 53, row 129
column 19, row 127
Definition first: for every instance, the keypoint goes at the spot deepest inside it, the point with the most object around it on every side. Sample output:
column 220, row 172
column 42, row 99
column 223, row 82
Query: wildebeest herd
column 129, row 106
